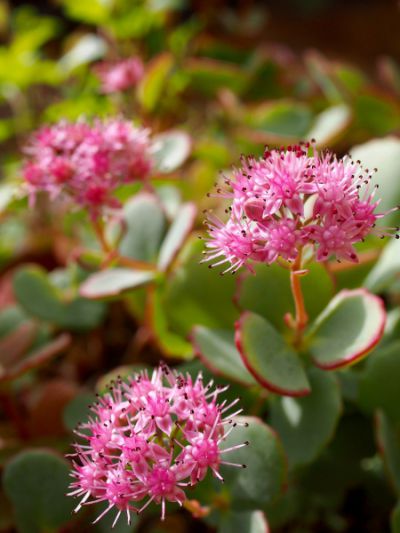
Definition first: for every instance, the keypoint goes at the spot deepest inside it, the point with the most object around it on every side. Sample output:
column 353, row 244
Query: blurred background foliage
column 234, row 76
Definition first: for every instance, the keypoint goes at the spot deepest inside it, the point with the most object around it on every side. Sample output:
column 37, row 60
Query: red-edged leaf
column 274, row 364
column 216, row 349
column 347, row 330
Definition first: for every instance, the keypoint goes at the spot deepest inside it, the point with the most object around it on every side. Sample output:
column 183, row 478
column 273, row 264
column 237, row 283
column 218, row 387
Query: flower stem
column 98, row 227
column 197, row 510
column 113, row 255
column 301, row 319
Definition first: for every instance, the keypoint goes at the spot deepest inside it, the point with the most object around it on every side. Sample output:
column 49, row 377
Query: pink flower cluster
column 290, row 198
column 119, row 75
column 87, row 162
column 148, row 440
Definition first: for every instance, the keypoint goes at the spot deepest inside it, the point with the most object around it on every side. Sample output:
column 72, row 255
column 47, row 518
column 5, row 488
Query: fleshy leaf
column 146, row 223
column 274, row 364
column 114, row 281
column 385, row 269
column 195, row 295
column 170, row 343
column 77, row 409
column 273, row 283
column 384, row 154
column 36, row 482
column 330, row 124
column 348, row 329
column 388, row 436
column 379, row 383
column 277, row 120
column 237, row 522
column 209, row 76
column 88, row 48
column 216, row 349
column 305, row 425
column 153, row 83
column 35, row 293
column 248, row 489
column 171, row 149
column 176, row 235
column 42, row 299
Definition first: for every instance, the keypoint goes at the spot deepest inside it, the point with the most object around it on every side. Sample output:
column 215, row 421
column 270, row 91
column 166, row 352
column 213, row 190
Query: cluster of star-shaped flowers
column 120, row 75
column 149, row 439
column 87, row 162
column 290, row 198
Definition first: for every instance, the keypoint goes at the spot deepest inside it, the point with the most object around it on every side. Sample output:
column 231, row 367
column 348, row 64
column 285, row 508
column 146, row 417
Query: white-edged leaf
column 171, row 149
column 112, row 282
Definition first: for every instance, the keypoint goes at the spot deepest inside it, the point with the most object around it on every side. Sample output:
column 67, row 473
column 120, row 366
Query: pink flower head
column 150, row 439
column 289, row 198
column 119, row 75
column 87, row 162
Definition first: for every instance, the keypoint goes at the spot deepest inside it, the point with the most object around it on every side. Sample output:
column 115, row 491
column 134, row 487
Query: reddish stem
column 301, row 318
column 98, row 227
column 113, row 255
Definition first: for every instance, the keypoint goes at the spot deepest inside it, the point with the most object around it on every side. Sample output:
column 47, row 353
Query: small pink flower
column 290, row 198
column 150, row 439
column 87, row 162
column 119, row 75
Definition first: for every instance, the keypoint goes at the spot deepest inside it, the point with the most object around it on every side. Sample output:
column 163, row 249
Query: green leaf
column 146, row 222
column 216, row 349
column 208, row 76
column 239, row 522
column 86, row 49
column 8, row 192
column 89, row 11
column 171, row 199
column 395, row 519
column 323, row 76
column 77, row 410
column 40, row 298
column 305, row 425
column 176, row 235
column 388, row 436
column 154, row 81
column 385, row 155
column 347, row 330
column 377, row 115
column 35, row 293
column 89, row 105
column 11, row 317
column 171, row 149
column 274, row 364
column 273, row 283
column 81, row 313
column 330, row 124
column 379, row 382
column 280, row 119
column 248, row 489
column 114, row 281
column 386, row 269
column 171, row 343
column 36, row 482
column 187, row 303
